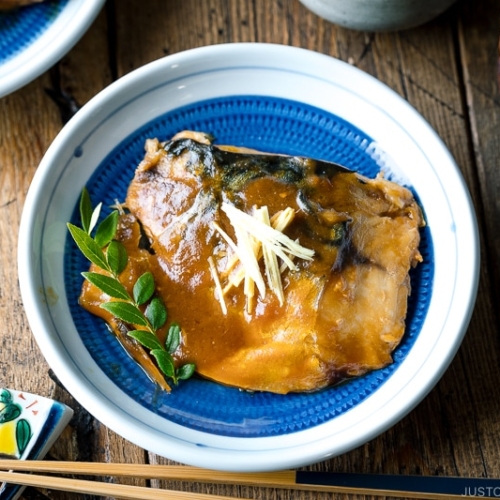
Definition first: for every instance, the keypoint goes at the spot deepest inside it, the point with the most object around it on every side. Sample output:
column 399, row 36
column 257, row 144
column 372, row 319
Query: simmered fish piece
column 284, row 276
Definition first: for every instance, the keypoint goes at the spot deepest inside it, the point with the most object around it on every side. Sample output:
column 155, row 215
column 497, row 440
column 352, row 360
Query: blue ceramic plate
column 34, row 37
column 277, row 99
column 268, row 124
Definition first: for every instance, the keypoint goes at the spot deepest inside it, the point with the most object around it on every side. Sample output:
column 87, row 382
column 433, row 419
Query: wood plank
column 478, row 33
column 24, row 137
column 478, row 38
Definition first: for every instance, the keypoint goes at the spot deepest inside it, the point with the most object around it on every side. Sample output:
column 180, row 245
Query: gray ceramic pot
column 378, row 15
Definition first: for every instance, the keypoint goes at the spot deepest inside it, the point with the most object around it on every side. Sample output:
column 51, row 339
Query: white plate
column 162, row 95
column 35, row 37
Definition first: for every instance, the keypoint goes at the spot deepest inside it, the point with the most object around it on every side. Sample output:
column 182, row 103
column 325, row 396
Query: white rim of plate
column 426, row 361
column 58, row 39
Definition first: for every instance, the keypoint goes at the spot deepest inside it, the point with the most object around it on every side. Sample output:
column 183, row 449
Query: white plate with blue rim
column 34, row 37
column 278, row 99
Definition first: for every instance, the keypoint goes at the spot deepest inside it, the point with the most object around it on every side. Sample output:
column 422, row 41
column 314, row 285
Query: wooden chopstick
column 423, row 487
column 103, row 489
column 152, row 471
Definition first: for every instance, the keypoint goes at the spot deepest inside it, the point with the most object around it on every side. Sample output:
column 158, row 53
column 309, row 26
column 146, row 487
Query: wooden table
column 446, row 69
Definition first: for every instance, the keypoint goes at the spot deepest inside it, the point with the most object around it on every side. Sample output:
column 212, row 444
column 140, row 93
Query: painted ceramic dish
column 278, row 99
column 29, row 426
column 34, row 37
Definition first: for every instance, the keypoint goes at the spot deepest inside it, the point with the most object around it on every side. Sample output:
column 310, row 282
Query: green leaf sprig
column 111, row 256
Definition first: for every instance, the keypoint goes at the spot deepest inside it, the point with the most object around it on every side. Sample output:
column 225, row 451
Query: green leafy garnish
column 142, row 309
column 144, row 288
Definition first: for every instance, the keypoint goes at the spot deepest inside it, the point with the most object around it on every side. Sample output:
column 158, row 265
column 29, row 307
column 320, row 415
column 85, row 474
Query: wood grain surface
column 446, row 69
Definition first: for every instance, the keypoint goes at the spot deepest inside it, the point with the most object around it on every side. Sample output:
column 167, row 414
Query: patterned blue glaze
column 268, row 124
column 19, row 28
